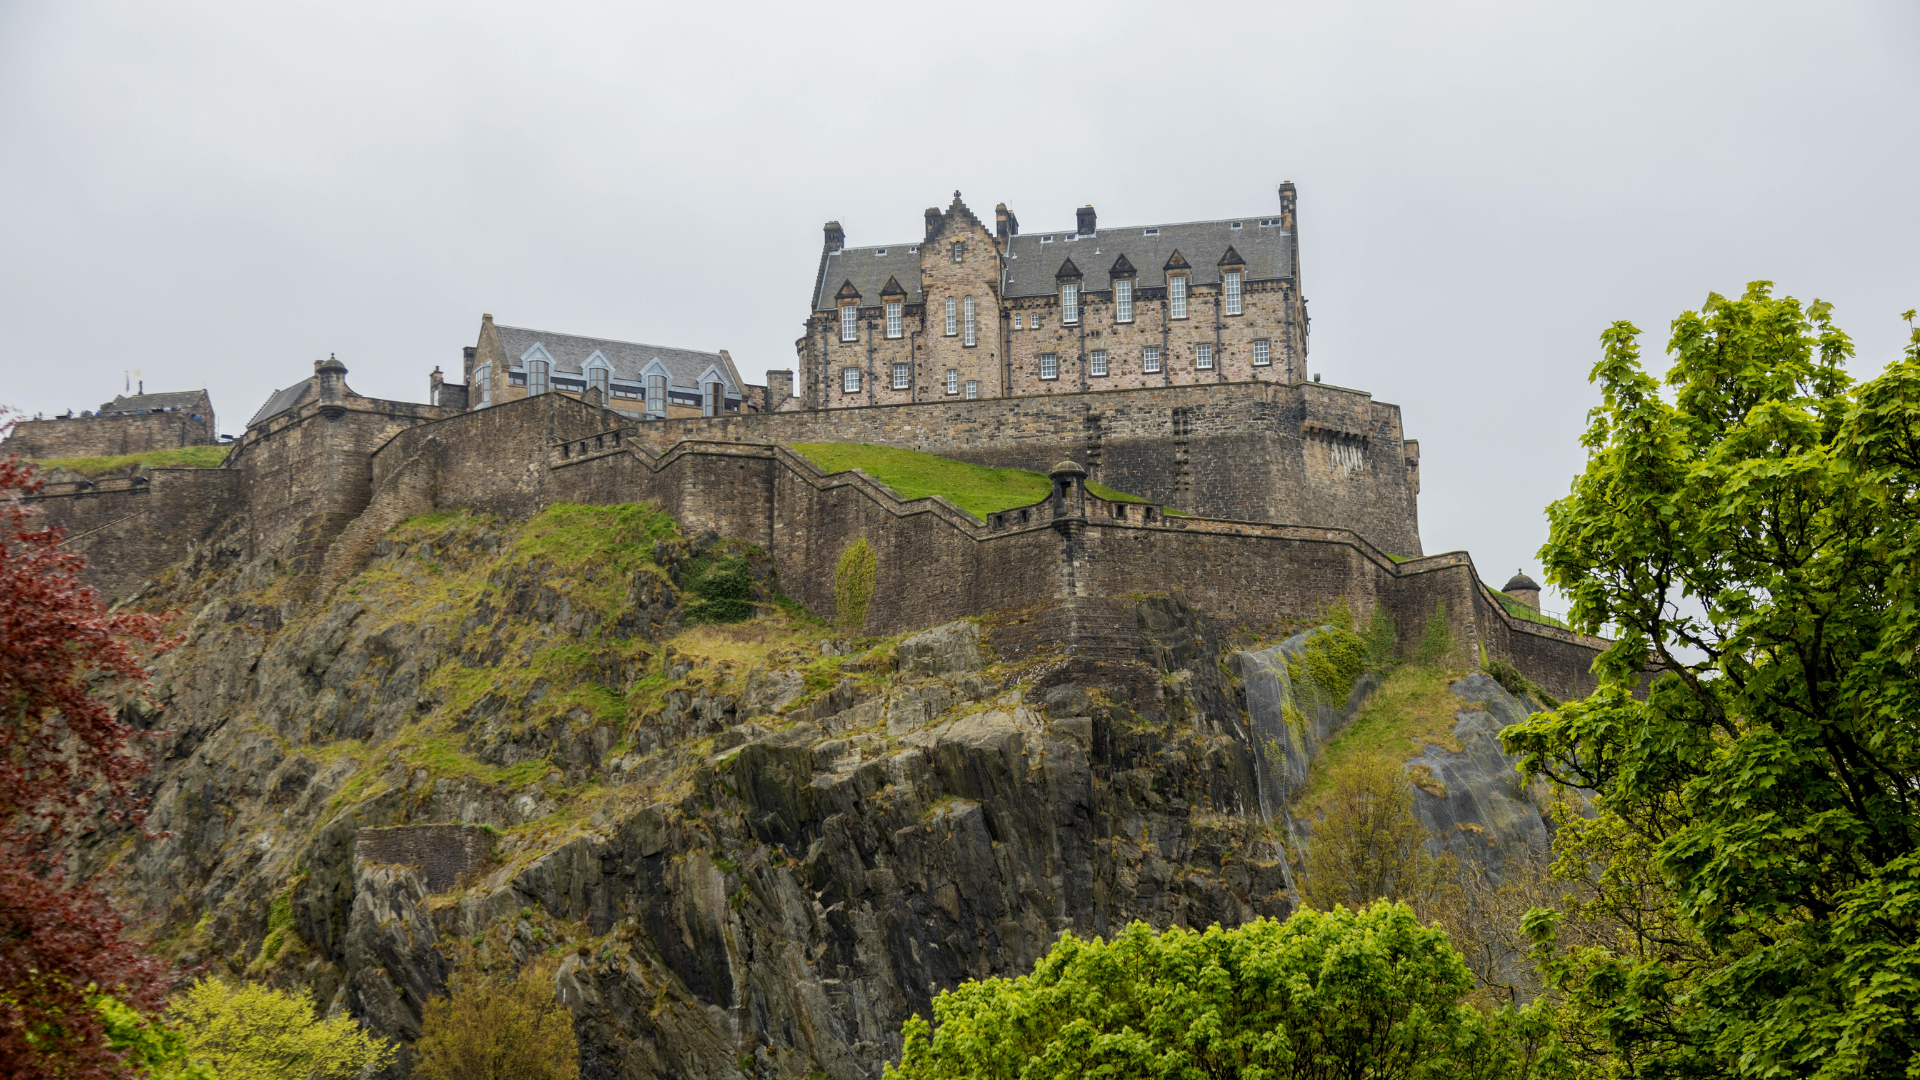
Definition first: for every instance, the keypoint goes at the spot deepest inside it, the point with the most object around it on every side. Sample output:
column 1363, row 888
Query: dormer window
column 657, row 395
column 600, row 379
column 1230, row 291
column 1069, row 303
column 952, row 319
column 893, row 318
column 539, row 377
column 1123, row 300
column 849, row 322
column 1177, row 296
column 1236, row 225
column 1150, row 232
column 1046, row 239
column 971, row 338
column 710, row 400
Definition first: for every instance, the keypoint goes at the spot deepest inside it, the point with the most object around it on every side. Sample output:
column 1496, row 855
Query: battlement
column 126, row 425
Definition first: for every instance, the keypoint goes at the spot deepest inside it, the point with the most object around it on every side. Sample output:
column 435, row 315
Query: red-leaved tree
column 68, row 764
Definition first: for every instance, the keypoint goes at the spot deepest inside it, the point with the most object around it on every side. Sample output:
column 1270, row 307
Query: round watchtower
column 1524, row 589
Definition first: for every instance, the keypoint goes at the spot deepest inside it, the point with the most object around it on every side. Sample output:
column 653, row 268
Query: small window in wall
column 657, row 394
column 973, row 389
column 1150, row 359
column 483, row 382
column 1033, row 321
column 953, row 380
column 1262, row 353
column 850, row 380
column 1230, row 291
column 971, row 338
column 893, row 318
column 1097, row 363
column 849, row 323
column 902, row 376
column 600, row 379
column 1049, row 366
column 1016, row 321
column 1177, row 296
column 1069, row 304
column 1203, row 356
column 539, row 377
column 952, row 319
column 1123, row 300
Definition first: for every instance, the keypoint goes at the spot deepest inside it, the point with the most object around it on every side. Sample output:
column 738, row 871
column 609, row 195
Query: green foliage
column 1328, row 665
column 1367, row 845
column 1363, row 994
column 853, row 585
column 186, row 457
column 978, row 489
column 1436, row 644
column 1513, row 682
column 1523, row 612
column 722, row 586
column 156, row 1050
column 1380, row 639
column 279, row 925
column 1412, row 708
column 498, row 1028
column 1754, row 527
column 252, row 1032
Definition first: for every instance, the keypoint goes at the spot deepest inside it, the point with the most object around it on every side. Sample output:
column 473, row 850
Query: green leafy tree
column 251, row 1032
column 1369, row 845
column 1329, row 995
column 1752, row 528
column 149, row 1046
column 498, row 1027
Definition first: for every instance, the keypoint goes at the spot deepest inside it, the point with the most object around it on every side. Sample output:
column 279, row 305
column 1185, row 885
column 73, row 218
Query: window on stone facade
column 1150, row 359
column 539, row 377
column 850, row 380
column 952, row 319
column 1262, row 353
column 600, row 379
column 1177, row 296
column 958, row 250
column 657, row 394
column 902, row 376
column 483, row 383
column 1016, row 321
column 849, row 322
column 1123, row 300
column 1097, row 363
column 1203, row 357
column 971, row 339
column 710, row 399
column 973, row 389
column 1230, row 291
column 1069, row 304
column 953, row 381
column 893, row 318
column 1049, row 366
column 1033, row 321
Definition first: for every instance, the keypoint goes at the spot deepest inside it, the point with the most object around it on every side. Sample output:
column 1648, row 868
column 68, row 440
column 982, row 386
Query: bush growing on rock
column 494, row 1027
column 1369, row 846
column 253, row 1032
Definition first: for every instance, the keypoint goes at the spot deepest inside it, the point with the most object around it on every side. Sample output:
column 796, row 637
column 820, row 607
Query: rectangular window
column 1033, row 321
column 538, row 378
column 951, row 329
column 657, row 394
column 1097, row 362
column 1177, row 296
column 953, row 381
column 1123, row 300
column 1049, row 366
column 849, row 323
column 600, row 379
column 1262, row 353
column 1069, row 304
column 483, row 382
column 850, row 380
column 1150, row 359
column 1203, row 358
column 971, row 339
column 710, row 401
column 893, row 318
column 1016, row 322
column 902, row 376
column 1230, row 291
column 973, row 389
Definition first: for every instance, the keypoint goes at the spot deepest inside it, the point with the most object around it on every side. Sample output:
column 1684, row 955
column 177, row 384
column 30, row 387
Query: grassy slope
column 1413, row 709
column 1524, row 613
column 187, row 457
column 977, row 489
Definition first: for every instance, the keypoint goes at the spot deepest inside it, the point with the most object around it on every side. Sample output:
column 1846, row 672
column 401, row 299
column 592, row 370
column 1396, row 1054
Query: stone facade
column 447, row 856
column 125, row 425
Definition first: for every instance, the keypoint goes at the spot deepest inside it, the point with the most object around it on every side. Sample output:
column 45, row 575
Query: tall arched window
column 971, row 337
column 539, row 377
column 657, row 394
column 951, row 330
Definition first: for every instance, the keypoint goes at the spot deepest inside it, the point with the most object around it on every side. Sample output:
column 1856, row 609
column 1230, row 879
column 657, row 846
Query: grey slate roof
column 1268, row 252
column 570, row 352
column 280, row 401
column 178, row 399
column 869, row 273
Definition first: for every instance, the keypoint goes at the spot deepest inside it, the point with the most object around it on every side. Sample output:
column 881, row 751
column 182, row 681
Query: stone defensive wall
column 1254, row 451
column 131, row 529
column 447, row 856
column 108, row 436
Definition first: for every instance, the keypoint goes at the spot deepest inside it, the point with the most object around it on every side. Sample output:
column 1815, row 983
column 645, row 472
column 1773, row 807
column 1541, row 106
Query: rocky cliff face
column 755, row 847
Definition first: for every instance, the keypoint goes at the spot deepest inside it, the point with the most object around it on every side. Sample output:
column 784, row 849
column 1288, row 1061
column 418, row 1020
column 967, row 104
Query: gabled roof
column 1267, row 250
column 629, row 358
column 869, row 271
column 177, row 399
column 280, row 401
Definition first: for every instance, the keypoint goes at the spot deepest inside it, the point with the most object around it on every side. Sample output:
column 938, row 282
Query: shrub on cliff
column 493, row 1027
column 1325, row 994
column 1368, row 845
column 68, row 764
column 253, row 1032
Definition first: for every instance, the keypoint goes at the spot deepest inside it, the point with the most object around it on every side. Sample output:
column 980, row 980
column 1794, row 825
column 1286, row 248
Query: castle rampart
column 125, row 425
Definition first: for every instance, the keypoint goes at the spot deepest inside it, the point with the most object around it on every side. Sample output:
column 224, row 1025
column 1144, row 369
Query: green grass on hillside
column 1414, row 708
column 1524, row 613
column 187, row 457
column 978, row 489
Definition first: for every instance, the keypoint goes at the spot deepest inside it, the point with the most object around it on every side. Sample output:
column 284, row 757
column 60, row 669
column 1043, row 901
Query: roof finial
column 956, row 193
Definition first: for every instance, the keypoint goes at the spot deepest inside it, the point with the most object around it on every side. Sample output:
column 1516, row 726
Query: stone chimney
column 1005, row 225
column 1524, row 589
column 933, row 220
column 433, row 385
column 1288, row 196
column 1084, row 216
column 779, row 388
column 836, row 236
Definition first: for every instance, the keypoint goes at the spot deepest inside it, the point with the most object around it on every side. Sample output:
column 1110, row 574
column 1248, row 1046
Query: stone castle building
column 646, row 382
column 974, row 312
column 129, row 424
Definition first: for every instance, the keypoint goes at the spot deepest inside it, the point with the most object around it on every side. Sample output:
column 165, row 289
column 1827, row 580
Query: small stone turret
column 1524, row 589
column 332, row 375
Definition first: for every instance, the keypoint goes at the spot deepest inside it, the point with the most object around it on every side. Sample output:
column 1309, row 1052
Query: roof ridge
column 615, row 341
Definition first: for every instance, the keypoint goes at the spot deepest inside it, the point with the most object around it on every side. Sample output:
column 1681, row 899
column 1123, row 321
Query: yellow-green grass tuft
column 978, row 489
column 187, row 457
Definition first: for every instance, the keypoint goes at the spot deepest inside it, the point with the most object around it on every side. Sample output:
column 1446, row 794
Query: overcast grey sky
column 218, row 194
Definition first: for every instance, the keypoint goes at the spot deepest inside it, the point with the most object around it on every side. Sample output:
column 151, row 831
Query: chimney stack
column 1288, row 196
column 1005, row 225
column 933, row 219
column 779, row 388
column 836, row 236
column 1085, row 218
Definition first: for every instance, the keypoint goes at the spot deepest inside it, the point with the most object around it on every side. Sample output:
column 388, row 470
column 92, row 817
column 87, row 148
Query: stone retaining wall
column 446, row 855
